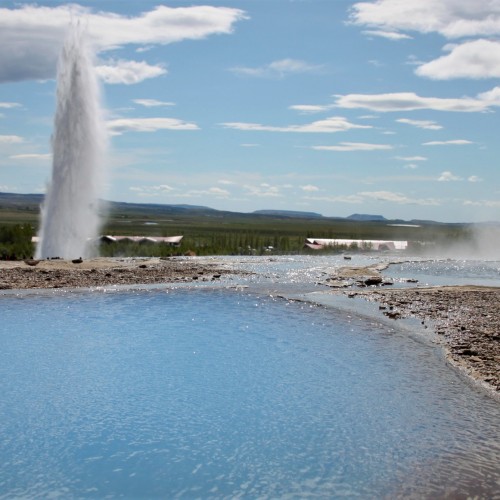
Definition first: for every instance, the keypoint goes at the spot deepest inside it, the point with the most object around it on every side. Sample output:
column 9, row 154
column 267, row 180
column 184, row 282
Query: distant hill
column 30, row 203
column 288, row 213
column 366, row 217
column 20, row 200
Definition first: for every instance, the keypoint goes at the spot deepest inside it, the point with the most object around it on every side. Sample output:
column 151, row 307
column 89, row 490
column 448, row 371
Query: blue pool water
column 448, row 272
column 223, row 394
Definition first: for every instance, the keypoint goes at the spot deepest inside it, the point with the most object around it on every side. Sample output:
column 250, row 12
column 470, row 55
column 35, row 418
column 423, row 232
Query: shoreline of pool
column 463, row 320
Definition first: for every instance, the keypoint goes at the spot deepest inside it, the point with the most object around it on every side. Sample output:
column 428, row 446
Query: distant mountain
column 288, row 213
column 20, row 200
column 366, row 217
column 32, row 203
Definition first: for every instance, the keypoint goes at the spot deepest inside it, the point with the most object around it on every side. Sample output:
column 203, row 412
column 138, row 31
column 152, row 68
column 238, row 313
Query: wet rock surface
column 466, row 320
column 102, row 272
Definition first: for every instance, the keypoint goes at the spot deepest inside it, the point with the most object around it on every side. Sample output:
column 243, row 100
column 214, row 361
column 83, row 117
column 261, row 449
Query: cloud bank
column 31, row 36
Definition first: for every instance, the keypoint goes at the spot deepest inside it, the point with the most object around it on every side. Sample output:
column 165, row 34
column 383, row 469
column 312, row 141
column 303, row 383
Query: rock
column 372, row 280
column 392, row 314
column 31, row 262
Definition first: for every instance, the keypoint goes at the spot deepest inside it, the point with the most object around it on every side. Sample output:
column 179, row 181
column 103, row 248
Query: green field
column 212, row 232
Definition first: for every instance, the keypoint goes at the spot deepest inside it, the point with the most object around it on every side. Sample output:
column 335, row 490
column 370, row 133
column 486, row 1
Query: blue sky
column 387, row 107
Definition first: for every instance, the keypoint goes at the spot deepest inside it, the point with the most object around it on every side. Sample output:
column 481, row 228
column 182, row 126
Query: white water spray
column 70, row 219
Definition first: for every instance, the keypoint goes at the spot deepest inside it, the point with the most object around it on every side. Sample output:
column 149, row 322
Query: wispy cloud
column 454, row 142
column 390, row 35
column 122, row 125
column 409, row 101
column 389, row 196
column 328, row 125
column 482, row 203
column 381, row 196
column 10, row 139
column 152, row 103
column 32, row 156
column 448, row 176
column 128, row 72
column 411, row 158
column 9, row 105
column 309, row 188
column 354, row 146
column 426, row 124
column 278, row 69
column 152, row 191
column 263, row 190
column 311, row 108
column 474, row 178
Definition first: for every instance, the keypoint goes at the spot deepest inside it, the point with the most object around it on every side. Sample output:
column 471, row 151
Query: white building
column 378, row 245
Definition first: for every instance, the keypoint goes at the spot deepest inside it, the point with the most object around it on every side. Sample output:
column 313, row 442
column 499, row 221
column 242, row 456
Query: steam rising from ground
column 70, row 219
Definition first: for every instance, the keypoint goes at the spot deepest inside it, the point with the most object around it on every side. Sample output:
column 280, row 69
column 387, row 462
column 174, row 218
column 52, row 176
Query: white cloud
column 152, row 103
column 9, row 105
column 352, row 198
column 398, row 198
column 311, row 108
column 278, row 69
column 122, row 125
column 165, row 188
column 263, row 190
column 328, row 125
column 427, row 124
column 411, row 166
column 128, row 72
column 151, row 191
column 474, row 178
column 450, row 18
column 32, row 156
column 309, row 188
column 448, row 176
column 382, row 196
column 491, row 96
column 219, row 192
column 353, row 146
column 411, row 158
column 483, row 203
column 22, row 59
column 454, row 142
column 10, row 139
column 390, row 35
column 473, row 59
column 409, row 101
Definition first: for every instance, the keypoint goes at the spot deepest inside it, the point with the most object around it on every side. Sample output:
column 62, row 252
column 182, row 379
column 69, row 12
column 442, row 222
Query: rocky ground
column 105, row 272
column 466, row 319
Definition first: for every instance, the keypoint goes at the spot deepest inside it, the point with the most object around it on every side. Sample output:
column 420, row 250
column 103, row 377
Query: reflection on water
column 213, row 393
column 449, row 272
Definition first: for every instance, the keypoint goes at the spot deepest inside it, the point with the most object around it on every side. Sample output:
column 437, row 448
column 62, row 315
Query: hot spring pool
column 218, row 393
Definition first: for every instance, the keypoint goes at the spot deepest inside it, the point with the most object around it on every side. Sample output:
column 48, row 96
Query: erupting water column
column 70, row 219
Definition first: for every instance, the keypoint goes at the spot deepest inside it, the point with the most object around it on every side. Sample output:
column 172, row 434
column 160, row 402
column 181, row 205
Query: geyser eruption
column 70, row 219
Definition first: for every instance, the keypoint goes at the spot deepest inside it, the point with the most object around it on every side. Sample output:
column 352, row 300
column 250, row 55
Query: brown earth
column 105, row 272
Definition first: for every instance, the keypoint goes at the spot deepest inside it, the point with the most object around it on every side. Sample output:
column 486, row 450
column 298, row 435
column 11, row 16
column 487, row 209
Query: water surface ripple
column 225, row 394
